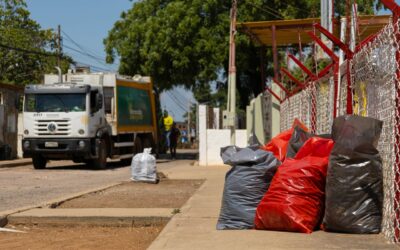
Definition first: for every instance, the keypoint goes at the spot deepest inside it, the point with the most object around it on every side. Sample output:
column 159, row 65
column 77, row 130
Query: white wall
column 202, row 135
column 218, row 138
column 212, row 140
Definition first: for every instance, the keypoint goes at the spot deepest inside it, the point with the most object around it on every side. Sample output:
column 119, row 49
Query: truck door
column 96, row 112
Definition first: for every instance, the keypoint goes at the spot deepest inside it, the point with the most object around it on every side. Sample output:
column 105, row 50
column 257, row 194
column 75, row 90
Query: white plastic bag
column 144, row 167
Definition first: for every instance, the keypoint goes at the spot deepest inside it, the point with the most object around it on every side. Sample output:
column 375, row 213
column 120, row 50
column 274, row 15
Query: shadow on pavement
column 110, row 166
column 180, row 155
column 114, row 165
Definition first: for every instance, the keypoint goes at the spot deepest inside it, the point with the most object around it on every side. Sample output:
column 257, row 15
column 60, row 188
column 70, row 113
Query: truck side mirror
column 99, row 101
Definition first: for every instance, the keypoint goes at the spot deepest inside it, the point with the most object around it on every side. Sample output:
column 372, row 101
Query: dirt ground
column 166, row 194
column 69, row 237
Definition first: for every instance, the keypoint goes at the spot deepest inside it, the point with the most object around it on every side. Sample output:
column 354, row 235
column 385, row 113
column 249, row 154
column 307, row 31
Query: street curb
column 93, row 216
column 91, row 221
column 16, row 164
column 3, row 221
column 55, row 202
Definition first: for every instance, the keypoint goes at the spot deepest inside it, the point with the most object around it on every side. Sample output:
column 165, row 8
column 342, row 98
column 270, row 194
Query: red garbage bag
column 295, row 199
column 278, row 145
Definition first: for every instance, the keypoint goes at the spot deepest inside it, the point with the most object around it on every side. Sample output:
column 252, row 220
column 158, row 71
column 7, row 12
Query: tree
column 185, row 42
column 24, row 46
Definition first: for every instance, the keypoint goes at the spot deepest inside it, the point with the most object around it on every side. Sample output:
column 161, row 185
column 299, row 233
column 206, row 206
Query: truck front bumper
column 58, row 149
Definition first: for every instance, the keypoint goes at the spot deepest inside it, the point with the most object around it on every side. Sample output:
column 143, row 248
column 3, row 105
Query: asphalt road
column 24, row 186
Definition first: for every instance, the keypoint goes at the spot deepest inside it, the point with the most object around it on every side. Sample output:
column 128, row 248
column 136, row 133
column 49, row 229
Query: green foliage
column 186, row 42
column 19, row 31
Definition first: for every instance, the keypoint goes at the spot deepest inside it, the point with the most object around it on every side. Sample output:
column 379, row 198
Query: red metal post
column 302, row 67
column 325, row 70
column 334, row 39
column 323, row 46
column 393, row 7
column 273, row 93
column 335, row 63
column 368, row 39
column 281, row 86
column 294, row 79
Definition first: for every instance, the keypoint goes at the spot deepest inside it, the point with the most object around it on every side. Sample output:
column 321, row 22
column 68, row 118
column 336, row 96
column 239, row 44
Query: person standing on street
column 167, row 121
column 174, row 136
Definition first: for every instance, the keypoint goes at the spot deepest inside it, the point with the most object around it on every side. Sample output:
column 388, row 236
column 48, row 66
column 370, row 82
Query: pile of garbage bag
column 301, row 182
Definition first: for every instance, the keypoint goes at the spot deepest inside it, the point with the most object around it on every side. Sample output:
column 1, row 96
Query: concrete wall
column 218, row 138
column 211, row 140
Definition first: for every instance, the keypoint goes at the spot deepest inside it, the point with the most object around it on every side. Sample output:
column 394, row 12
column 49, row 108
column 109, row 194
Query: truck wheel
column 39, row 162
column 101, row 161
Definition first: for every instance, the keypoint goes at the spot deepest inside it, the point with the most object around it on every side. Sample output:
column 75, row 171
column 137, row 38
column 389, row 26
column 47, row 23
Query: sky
column 84, row 25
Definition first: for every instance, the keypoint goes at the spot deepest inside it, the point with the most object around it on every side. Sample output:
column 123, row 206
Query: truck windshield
column 55, row 102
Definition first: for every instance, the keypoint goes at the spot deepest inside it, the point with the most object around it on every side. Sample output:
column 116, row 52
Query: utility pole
column 231, row 114
column 188, row 125
column 59, row 46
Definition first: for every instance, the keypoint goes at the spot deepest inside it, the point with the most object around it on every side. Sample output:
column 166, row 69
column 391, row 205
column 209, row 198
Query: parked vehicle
column 88, row 117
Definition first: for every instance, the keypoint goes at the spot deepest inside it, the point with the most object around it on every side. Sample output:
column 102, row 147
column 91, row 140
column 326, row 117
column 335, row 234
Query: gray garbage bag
column 245, row 185
column 354, row 185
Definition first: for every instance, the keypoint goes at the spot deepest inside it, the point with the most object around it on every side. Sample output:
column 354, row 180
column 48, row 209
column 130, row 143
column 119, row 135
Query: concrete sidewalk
column 194, row 227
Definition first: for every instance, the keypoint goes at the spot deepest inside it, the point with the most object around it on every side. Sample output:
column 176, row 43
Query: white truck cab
column 78, row 120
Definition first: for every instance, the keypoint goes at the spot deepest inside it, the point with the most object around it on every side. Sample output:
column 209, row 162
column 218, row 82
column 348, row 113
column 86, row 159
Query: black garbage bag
column 297, row 140
column 245, row 185
column 354, row 185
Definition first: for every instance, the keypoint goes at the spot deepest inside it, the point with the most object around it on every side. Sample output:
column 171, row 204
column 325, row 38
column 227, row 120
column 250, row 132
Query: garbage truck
column 89, row 117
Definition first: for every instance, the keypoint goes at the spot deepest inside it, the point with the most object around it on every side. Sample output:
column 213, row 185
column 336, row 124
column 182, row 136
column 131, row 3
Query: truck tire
column 39, row 162
column 101, row 161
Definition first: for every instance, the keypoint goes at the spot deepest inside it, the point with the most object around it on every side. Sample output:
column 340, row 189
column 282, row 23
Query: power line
column 86, row 50
column 88, row 55
column 93, row 66
column 49, row 54
column 177, row 99
column 277, row 15
column 174, row 100
column 183, row 97
column 83, row 51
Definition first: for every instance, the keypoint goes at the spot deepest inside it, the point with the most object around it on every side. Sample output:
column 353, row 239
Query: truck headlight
column 81, row 131
column 26, row 132
column 27, row 144
column 81, row 144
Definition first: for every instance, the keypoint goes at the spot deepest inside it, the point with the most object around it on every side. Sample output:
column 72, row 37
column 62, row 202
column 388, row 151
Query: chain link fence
column 375, row 92
column 373, row 77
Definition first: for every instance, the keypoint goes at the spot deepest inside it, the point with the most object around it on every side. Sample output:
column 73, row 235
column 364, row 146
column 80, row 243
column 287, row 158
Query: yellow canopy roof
column 290, row 32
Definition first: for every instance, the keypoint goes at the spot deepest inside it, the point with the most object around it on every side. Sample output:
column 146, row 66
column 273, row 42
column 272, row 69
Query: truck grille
column 63, row 127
